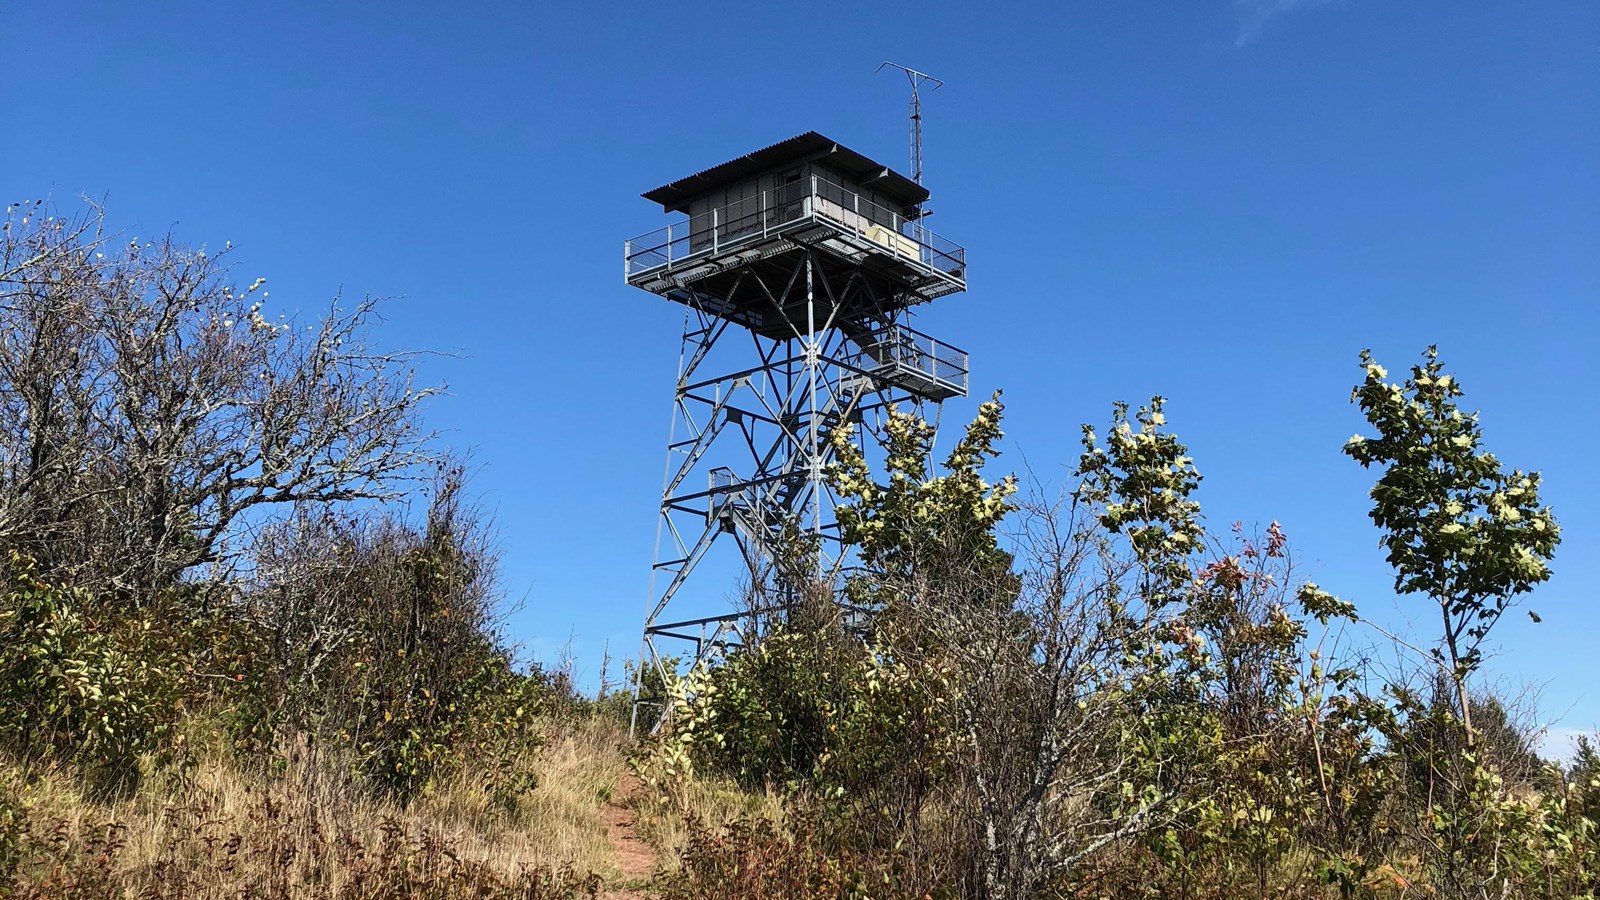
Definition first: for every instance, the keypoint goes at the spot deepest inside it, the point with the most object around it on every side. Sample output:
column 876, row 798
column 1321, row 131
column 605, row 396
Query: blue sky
column 1221, row 201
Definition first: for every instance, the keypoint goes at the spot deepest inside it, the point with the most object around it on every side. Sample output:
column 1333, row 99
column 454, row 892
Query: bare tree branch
column 150, row 408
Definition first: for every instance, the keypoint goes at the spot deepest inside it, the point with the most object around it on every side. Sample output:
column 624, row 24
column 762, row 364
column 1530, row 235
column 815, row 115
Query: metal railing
column 758, row 217
column 896, row 352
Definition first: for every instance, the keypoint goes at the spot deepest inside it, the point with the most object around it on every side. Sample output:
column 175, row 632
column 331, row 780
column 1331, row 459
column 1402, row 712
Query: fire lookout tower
column 799, row 265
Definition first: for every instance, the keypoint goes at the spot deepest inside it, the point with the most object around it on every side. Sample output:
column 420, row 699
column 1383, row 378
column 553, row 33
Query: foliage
column 150, row 411
column 1123, row 703
column 753, row 860
column 74, row 685
column 920, row 524
column 1459, row 529
column 1470, row 536
column 201, row 560
column 1095, row 694
column 381, row 642
column 1282, row 751
column 840, row 729
column 1476, row 821
column 1141, row 483
column 1237, row 719
column 803, row 709
column 1585, row 768
column 860, row 732
column 176, row 506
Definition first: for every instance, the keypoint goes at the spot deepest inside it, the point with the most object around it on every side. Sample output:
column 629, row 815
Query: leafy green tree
column 1237, row 720
column 918, row 522
column 1459, row 529
column 1141, row 481
column 1047, row 660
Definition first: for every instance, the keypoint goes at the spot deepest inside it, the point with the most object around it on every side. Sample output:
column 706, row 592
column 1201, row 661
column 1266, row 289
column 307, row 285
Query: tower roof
column 674, row 197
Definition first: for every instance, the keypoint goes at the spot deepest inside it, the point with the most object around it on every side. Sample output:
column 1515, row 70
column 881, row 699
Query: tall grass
column 304, row 828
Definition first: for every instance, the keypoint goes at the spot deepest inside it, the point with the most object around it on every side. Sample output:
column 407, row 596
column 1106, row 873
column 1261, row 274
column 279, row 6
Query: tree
column 379, row 637
column 1141, row 482
column 1458, row 528
column 149, row 408
column 1211, row 649
column 917, row 523
column 1030, row 652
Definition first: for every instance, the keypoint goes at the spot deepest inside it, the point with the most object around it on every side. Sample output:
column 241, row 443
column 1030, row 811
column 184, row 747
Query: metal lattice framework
column 797, row 325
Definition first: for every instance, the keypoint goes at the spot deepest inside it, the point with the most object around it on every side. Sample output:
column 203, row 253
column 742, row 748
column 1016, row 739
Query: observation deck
column 704, row 258
column 923, row 365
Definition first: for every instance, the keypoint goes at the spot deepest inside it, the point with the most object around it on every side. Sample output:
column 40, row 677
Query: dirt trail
column 635, row 858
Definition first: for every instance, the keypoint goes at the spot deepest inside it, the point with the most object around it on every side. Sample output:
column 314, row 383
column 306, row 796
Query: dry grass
column 211, row 829
column 579, row 773
column 672, row 813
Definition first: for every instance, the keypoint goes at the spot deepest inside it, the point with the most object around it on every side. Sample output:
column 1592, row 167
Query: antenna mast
column 917, row 80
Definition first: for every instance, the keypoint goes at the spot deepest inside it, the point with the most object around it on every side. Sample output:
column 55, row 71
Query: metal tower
column 799, row 266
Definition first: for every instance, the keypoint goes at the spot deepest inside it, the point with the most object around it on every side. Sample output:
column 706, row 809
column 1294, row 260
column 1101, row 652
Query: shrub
column 774, row 714
column 754, row 860
column 379, row 638
column 77, row 684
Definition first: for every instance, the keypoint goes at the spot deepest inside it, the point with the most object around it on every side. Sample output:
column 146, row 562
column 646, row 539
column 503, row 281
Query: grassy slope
column 212, row 829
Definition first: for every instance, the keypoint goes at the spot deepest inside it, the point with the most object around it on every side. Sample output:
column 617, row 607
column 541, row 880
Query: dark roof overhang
column 675, row 197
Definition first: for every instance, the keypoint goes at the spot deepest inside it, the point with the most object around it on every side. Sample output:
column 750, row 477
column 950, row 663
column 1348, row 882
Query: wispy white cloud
column 1562, row 743
column 1253, row 14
